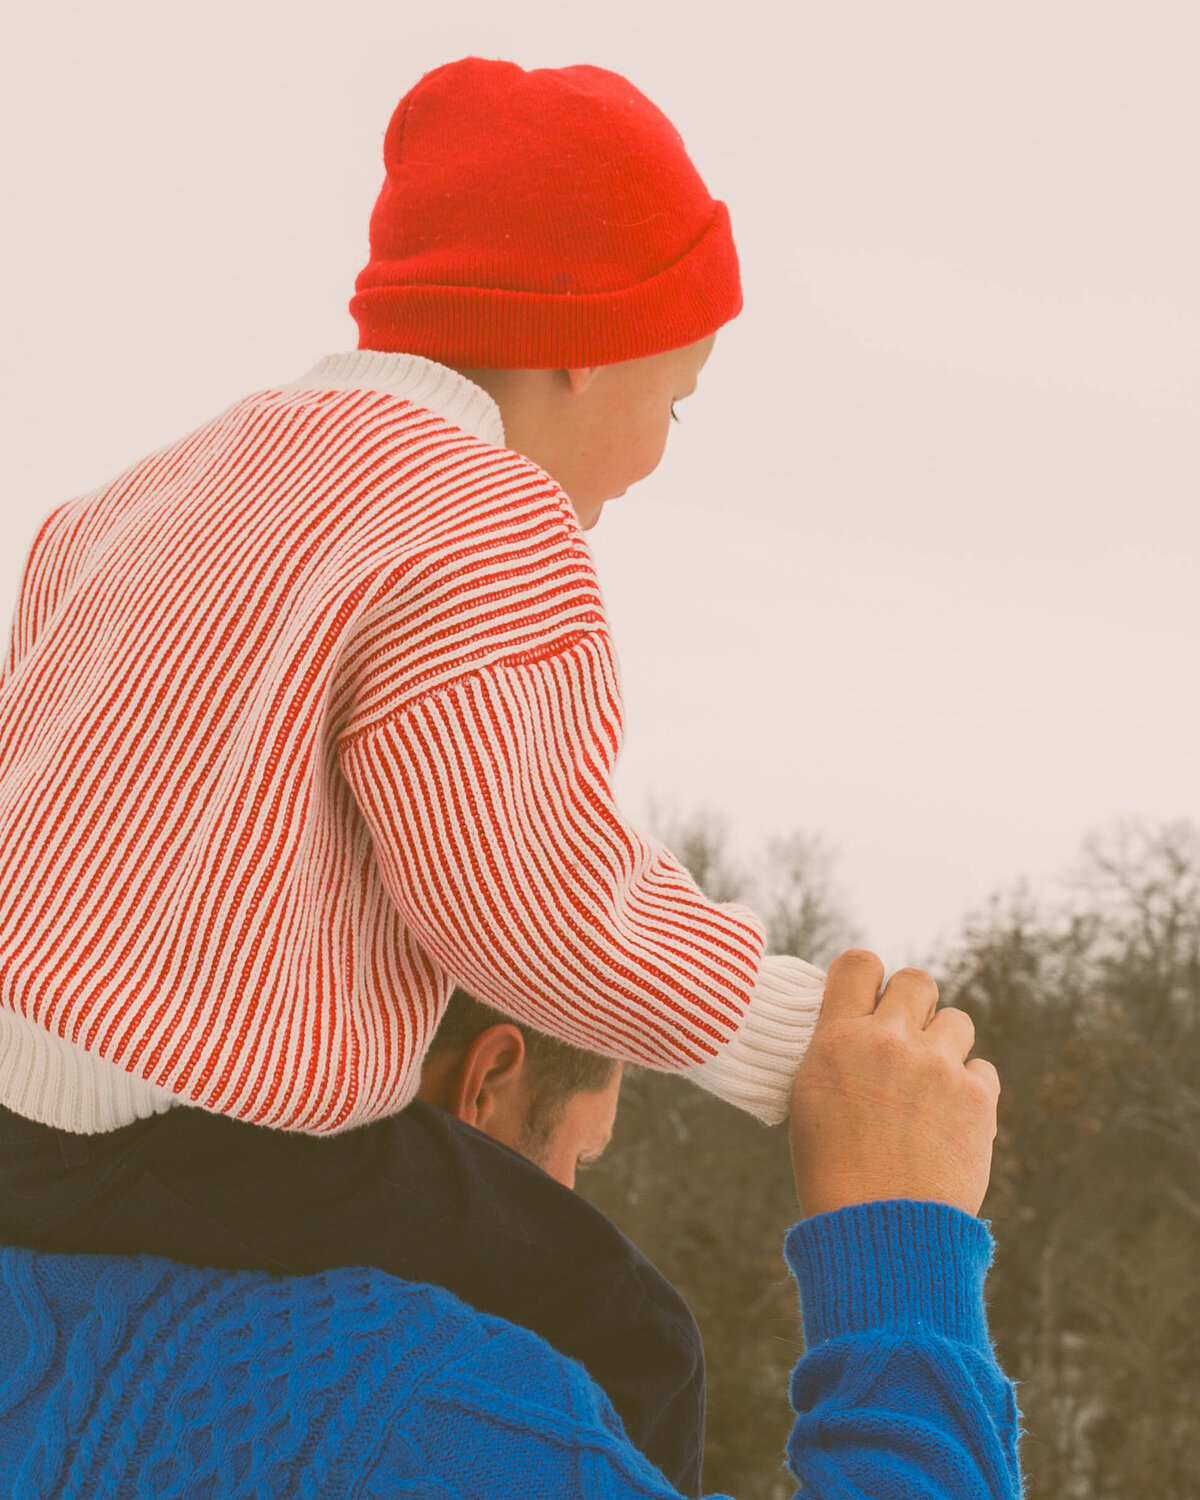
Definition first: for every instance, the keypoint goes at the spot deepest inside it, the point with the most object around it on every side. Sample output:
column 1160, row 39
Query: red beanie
column 540, row 220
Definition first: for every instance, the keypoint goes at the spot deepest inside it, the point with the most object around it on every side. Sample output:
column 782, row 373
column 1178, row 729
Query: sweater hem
column 52, row 1081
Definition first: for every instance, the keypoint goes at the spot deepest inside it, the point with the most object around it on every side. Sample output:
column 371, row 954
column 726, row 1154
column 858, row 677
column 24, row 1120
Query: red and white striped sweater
column 304, row 715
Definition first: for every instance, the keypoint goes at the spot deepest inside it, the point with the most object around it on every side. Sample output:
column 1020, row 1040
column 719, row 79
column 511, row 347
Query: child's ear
column 579, row 380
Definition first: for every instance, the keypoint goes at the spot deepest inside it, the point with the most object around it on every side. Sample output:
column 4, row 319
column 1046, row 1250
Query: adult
column 552, row 1102
column 556, row 1105
column 132, row 1377
column 468, row 1188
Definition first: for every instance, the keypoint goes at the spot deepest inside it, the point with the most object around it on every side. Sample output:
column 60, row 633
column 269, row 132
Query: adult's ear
column 487, row 1093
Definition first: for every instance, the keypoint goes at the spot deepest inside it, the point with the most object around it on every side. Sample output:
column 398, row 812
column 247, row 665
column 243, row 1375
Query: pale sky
column 921, row 570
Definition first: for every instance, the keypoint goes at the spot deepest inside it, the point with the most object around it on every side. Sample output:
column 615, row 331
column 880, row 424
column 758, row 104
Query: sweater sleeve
column 899, row 1391
column 898, row 1394
column 498, row 838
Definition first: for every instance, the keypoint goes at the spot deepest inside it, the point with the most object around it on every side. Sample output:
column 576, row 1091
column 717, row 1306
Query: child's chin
column 591, row 514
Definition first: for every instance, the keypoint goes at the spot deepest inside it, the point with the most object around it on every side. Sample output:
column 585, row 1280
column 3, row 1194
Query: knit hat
column 539, row 220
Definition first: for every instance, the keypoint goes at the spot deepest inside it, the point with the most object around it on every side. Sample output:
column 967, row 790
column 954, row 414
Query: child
column 316, row 708
column 313, row 713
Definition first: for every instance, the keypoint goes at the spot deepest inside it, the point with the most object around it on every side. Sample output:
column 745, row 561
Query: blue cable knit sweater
column 141, row 1378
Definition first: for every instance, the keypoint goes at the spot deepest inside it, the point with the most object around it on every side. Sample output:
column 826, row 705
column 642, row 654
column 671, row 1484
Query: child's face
column 614, row 428
column 599, row 430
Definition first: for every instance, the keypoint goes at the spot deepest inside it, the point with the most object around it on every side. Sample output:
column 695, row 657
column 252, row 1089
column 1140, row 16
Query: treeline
column 1088, row 1001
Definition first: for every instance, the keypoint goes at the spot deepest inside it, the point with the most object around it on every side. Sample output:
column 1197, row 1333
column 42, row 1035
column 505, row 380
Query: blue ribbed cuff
column 898, row 1265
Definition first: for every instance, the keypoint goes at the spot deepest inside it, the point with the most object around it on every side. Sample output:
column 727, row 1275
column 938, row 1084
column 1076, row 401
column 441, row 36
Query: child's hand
column 885, row 1104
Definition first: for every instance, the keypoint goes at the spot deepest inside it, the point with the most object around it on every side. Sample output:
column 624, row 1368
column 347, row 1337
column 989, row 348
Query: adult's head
column 546, row 233
column 551, row 1102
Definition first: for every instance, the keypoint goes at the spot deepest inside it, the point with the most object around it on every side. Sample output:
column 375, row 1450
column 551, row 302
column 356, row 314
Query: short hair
column 556, row 1070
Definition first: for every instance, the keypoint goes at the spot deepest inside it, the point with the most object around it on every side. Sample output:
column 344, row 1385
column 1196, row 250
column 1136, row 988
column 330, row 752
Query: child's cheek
column 654, row 447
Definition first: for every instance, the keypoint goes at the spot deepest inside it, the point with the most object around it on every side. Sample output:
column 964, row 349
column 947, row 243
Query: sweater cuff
column 756, row 1068
column 897, row 1266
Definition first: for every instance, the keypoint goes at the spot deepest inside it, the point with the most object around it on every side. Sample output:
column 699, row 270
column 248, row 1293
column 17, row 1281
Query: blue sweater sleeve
column 899, row 1393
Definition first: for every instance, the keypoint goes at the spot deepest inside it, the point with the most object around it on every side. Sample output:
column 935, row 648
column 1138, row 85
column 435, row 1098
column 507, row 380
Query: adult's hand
column 885, row 1104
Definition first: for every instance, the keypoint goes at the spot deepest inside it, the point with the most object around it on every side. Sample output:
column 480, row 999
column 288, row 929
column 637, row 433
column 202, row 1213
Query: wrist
column 832, row 1198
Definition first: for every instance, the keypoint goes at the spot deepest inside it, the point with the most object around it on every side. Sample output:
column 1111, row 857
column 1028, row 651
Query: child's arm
column 499, row 841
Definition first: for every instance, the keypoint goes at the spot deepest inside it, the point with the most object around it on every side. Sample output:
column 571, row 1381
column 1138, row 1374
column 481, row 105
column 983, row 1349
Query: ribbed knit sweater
column 141, row 1380
column 304, row 717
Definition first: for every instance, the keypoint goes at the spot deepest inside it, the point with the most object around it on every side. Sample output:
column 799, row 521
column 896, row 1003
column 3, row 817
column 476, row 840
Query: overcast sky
column 921, row 570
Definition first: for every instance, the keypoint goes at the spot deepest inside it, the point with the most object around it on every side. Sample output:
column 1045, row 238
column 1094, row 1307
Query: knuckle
column 893, row 1046
column 941, row 1068
column 986, row 1080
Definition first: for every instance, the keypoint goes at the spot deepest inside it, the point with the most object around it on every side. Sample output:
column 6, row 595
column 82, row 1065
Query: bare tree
column 1090, row 1006
column 804, row 909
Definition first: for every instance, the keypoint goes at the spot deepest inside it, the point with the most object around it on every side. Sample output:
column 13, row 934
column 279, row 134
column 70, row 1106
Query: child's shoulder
column 416, row 440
